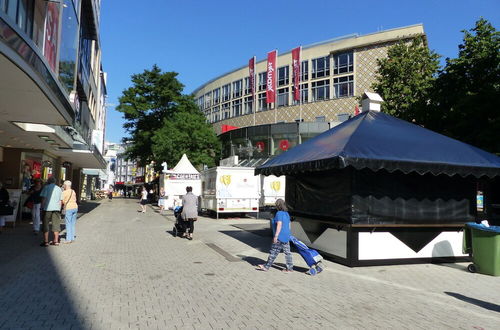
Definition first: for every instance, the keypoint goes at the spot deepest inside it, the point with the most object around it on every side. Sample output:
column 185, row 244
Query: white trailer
column 230, row 190
column 272, row 188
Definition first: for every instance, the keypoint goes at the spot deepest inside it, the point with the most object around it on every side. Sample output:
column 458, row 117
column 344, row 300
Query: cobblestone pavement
column 126, row 271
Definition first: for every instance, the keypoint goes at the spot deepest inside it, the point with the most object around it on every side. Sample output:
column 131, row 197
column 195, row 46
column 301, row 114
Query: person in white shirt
column 144, row 199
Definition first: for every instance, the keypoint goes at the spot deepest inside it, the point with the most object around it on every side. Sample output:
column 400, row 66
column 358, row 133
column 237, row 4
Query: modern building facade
column 52, row 91
column 334, row 75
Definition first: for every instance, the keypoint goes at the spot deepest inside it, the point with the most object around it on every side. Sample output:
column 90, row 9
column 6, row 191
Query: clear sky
column 203, row 39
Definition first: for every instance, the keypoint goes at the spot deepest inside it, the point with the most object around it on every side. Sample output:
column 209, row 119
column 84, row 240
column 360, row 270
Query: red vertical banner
column 271, row 77
column 51, row 34
column 296, row 73
column 356, row 110
column 251, row 73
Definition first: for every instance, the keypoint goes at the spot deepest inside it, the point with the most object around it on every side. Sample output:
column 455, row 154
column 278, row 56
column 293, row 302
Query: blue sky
column 203, row 39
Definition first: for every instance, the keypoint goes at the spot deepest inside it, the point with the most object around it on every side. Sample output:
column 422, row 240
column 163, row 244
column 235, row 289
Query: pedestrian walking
column 51, row 204
column 4, row 205
column 144, row 199
column 110, row 194
column 281, row 238
column 70, row 208
column 161, row 200
column 35, row 200
column 189, row 212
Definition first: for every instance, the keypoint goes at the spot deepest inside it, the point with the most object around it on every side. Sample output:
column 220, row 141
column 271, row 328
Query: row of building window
column 320, row 67
column 320, row 91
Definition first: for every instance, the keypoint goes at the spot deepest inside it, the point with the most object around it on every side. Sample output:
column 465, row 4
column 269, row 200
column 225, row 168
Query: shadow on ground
column 32, row 288
column 473, row 301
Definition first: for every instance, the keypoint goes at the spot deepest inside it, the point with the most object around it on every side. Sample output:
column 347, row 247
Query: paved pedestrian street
column 126, row 271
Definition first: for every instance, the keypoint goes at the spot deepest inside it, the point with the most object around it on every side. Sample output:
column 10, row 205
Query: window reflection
column 69, row 42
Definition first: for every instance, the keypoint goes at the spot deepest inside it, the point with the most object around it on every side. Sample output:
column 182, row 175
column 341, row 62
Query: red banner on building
column 296, row 73
column 251, row 73
column 271, row 77
column 51, row 34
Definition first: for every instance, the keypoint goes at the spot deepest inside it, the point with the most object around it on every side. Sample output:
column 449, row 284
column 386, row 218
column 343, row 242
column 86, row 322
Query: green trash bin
column 484, row 244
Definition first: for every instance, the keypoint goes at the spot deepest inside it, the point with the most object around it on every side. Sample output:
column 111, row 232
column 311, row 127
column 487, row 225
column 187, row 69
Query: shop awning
column 375, row 140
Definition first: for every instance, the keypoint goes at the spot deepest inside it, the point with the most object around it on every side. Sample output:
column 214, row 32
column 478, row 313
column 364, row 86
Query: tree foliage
column 460, row 100
column 406, row 77
column 156, row 112
column 187, row 132
column 468, row 89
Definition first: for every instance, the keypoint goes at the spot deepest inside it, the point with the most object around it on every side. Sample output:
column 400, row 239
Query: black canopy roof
column 377, row 141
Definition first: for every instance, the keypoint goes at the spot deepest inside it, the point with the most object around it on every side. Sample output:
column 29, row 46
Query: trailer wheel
column 472, row 268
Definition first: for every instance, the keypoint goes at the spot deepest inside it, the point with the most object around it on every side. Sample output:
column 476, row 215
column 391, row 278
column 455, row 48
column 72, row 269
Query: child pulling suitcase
column 310, row 256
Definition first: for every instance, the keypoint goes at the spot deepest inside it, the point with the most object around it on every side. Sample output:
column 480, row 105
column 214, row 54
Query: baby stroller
column 178, row 226
column 310, row 256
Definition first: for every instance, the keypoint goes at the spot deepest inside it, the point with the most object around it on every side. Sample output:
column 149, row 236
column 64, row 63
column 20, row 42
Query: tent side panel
column 321, row 195
column 396, row 198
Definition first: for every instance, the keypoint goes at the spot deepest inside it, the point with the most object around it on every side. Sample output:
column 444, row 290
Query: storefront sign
column 260, row 146
column 182, row 176
column 284, row 145
column 51, row 34
column 296, row 73
column 271, row 77
column 251, row 72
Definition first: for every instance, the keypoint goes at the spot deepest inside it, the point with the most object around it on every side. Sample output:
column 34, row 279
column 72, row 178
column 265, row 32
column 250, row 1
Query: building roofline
column 324, row 42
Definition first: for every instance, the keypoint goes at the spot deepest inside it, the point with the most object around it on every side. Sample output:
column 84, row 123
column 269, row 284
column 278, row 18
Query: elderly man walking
column 51, row 204
column 189, row 212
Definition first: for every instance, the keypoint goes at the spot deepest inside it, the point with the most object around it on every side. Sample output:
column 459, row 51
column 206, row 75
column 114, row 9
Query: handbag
column 6, row 209
column 63, row 207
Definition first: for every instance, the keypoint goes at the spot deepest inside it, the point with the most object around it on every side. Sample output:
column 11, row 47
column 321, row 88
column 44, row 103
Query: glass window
column 215, row 115
column 39, row 22
column 262, row 81
column 343, row 63
column 25, row 16
column 236, row 108
column 3, row 5
column 262, row 102
column 248, row 105
column 321, row 67
column 225, row 111
column 68, row 47
column 207, row 102
column 304, row 71
column 343, row 86
column 321, row 90
column 282, row 97
column 200, row 102
column 237, row 86
column 12, row 9
column 283, row 142
column 226, row 92
column 216, row 95
column 283, row 73
column 247, row 85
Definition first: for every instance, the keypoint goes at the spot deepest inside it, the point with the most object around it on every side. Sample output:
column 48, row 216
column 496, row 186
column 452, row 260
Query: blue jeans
column 70, row 219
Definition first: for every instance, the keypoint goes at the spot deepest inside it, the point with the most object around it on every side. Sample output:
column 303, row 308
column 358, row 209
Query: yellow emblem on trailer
column 276, row 185
column 225, row 179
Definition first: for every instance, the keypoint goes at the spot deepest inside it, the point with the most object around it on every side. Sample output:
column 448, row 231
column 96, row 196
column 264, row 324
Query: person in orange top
column 70, row 207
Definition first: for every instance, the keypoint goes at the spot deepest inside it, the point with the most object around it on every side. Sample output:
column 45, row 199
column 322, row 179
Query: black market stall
column 379, row 190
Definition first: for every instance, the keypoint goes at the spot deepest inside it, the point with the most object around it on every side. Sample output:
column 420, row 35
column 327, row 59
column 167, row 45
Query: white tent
column 176, row 180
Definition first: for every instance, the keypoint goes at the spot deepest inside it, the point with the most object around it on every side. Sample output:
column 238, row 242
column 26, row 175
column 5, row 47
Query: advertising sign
column 271, row 77
column 51, row 34
column 251, row 73
column 296, row 73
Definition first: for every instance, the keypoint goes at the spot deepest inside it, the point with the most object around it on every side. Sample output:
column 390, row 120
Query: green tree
column 163, row 123
column 153, row 98
column 187, row 132
column 405, row 79
column 468, row 89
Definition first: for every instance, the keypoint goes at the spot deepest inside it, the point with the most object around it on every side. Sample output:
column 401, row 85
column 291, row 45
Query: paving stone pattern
column 126, row 271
